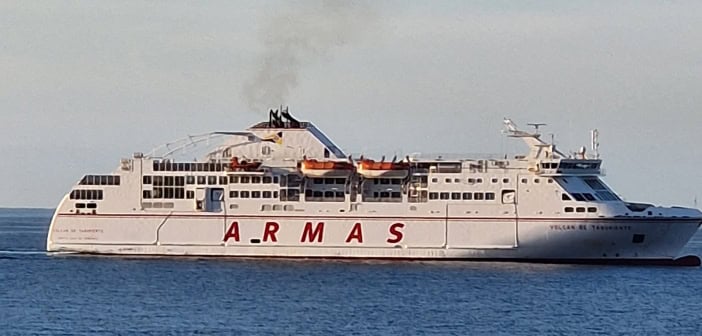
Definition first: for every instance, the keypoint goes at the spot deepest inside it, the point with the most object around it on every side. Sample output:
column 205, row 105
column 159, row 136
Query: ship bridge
column 546, row 160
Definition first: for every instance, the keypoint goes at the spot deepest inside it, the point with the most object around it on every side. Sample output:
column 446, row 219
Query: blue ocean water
column 83, row 295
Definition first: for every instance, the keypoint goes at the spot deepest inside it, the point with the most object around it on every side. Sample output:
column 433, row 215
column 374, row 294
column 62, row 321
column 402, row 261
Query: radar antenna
column 536, row 126
column 513, row 131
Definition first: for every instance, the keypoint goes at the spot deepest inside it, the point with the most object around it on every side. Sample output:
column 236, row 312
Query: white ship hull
column 539, row 207
column 529, row 239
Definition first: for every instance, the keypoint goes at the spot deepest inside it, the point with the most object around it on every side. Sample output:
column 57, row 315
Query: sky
column 86, row 83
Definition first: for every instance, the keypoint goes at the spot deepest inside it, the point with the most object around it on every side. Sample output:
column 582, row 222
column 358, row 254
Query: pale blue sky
column 85, row 83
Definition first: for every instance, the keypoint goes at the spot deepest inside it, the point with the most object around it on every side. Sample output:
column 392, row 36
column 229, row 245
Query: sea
column 93, row 295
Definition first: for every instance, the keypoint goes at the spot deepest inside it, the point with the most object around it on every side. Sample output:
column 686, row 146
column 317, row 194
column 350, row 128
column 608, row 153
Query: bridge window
column 86, row 194
column 589, row 197
column 578, row 197
column 565, row 197
column 607, row 196
column 100, row 180
column 594, row 183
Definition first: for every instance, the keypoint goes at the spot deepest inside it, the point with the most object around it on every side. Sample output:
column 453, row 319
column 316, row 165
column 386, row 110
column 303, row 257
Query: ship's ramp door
column 483, row 224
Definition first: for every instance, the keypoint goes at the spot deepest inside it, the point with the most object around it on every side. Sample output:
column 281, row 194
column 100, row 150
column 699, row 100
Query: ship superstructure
column 282, row 188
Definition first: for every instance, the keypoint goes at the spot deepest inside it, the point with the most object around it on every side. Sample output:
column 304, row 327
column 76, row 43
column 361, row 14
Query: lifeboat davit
column 243, row 165
column 373, row 169
column 316, row 168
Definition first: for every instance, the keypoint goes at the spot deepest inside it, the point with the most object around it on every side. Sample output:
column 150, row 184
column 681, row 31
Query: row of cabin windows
column 252, row 194
column 180, row 181
column 329, row 181
column 588, row 197
column 475, row 180
column 86, row 205
column 457, row 180
column 323, row 194
column 188, row 166
column 387, row 194
column 466, row 196
column 387, row 181
column 168, row 193
column 81, row 194
column 100, row 180
column 254, row 179
column 580, row 209
column 536, row 181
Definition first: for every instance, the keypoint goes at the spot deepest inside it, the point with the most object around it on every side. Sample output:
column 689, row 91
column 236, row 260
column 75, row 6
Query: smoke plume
column 296, row 37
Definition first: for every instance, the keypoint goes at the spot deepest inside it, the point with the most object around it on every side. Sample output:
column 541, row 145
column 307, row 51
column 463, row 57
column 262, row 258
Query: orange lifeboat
column 372, row 169
column 316, row 168
column 243, row 165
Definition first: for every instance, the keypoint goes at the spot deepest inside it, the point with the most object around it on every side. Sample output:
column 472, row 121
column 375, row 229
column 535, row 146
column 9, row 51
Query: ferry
column 283, row 189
